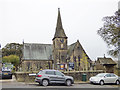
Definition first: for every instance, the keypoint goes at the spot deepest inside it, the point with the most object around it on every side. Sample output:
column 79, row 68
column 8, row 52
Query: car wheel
column 101, row 82
column 39, row 83
column 117, row 82
column 45, row 82
column 68, row 82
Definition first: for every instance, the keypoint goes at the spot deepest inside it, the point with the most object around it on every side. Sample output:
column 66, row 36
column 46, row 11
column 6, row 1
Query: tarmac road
column 12, row 83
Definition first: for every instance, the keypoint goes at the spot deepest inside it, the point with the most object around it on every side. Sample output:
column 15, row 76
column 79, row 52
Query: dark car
column 6, row 75
column 46, row 77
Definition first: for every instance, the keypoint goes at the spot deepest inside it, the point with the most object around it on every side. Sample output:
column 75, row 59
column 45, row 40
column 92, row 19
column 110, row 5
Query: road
column 12, row 83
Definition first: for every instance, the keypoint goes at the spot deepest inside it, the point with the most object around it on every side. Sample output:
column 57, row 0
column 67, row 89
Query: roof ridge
column 38, row 43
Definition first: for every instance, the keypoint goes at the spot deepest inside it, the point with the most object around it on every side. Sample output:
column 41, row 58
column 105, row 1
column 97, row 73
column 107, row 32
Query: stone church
column 58, row 55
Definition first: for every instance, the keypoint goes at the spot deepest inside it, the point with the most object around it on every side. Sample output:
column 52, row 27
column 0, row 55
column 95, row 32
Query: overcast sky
column 35, row 22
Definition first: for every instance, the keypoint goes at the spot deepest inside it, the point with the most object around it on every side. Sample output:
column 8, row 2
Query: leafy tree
column 12, row 49
column 109, row 32
column 11, row 59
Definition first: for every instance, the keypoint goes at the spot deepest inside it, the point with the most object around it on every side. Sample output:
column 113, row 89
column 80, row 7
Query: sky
column 34, row 21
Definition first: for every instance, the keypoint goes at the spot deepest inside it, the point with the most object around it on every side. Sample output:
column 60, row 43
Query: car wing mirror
column 104, row 76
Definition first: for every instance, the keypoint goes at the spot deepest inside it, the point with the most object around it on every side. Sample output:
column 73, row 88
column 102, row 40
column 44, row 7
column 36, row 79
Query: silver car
column 46, row 77
column 103, row 78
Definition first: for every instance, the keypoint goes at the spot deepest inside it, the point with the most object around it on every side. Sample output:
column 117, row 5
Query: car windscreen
column 41, row 72
column 100, row 75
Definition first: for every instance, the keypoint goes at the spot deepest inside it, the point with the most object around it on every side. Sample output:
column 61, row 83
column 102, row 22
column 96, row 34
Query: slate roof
column 104, row 61
column 71, row 48
column 32, row 51
column 59, row 33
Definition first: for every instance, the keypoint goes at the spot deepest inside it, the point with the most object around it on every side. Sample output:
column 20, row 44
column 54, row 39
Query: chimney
column 104, row 56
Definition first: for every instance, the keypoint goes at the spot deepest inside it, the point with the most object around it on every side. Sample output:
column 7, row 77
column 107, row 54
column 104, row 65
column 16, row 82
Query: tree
column 13, row 59
column 12, row 49
column 109, row 32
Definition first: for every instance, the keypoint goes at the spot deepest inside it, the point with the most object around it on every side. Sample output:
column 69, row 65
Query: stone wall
column 78, row 74
column 24, row 76
column 35, row 65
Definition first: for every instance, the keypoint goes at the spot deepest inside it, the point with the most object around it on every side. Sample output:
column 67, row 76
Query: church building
column 58, row 55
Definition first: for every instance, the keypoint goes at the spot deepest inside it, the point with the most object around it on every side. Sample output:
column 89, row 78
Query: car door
column 51, row 75
column 60, row 77
column 107, row 78
column 113, row 78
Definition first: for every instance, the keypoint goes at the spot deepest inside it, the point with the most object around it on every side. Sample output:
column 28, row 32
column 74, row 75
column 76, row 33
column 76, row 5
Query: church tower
column 59, row 44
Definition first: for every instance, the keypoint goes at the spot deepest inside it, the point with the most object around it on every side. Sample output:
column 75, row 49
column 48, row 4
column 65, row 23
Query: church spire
column 59, row 21
column 59, row 28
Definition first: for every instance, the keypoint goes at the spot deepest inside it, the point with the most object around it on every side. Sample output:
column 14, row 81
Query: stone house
column 106, row 64
column 58, row 55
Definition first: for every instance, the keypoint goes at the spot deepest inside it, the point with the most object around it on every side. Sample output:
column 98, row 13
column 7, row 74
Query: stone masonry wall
column 24, row 77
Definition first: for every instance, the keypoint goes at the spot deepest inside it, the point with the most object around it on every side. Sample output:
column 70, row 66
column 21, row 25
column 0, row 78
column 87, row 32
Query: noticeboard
column 71, row 65
column 62, row 66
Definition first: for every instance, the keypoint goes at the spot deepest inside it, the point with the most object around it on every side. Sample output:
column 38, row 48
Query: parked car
column 6, row 73
column 46, row 77
column 104, row 78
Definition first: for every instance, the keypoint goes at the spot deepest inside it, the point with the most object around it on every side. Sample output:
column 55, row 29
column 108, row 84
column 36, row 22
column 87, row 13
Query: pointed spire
column 59, row 21
column 59, row 28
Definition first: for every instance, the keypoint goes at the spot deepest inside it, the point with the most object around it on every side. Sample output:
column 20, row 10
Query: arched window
column 28, row 65
column 62, row 47
column 79, row 58
column 75, row 59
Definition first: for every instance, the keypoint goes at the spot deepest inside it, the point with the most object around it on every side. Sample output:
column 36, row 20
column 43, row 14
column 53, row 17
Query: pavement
column 81, row 82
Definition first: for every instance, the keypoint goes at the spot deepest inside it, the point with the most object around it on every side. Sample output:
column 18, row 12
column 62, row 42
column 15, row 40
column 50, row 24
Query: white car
column 103, row 78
